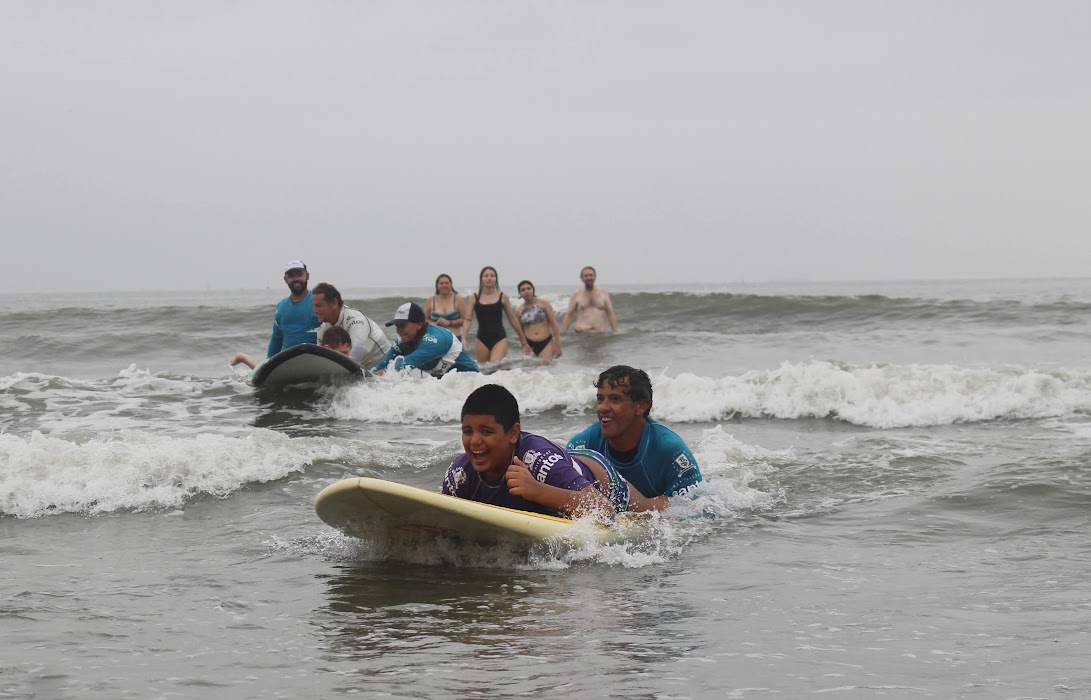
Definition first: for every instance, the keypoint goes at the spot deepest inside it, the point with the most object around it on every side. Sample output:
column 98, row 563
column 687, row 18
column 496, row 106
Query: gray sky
column 193, row 145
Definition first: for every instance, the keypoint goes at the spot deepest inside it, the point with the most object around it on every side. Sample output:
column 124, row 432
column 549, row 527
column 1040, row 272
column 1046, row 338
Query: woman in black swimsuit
column 490, row 305
column 539, row 323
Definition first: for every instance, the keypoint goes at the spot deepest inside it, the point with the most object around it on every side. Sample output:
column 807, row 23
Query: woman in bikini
column 446, row 308
column 490, row 305
column 539, row 323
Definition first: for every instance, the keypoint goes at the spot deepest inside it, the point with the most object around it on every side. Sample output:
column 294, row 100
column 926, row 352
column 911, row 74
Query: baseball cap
column 407, row 313
column 294, row 265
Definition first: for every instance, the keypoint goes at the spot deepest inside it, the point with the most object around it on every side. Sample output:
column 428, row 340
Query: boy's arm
column 588, row 501
column 450, row 482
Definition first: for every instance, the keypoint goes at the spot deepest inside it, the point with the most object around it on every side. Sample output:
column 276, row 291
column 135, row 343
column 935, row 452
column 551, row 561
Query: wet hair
column 520, row 286
column 336, row 335
column 329, row 292
column 492, row 400
column 453, row 290
column 640, row 387
column 588, row 267
column 481, row 276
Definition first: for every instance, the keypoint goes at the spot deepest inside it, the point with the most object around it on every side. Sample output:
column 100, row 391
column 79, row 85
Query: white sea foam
column 888, row 396
column 126, row 470
column 877, row 396
column 406, row 399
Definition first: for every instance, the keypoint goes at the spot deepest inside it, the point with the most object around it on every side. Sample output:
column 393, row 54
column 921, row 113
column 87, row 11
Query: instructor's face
column 327, row 312
column 407, row 331
column 297, row 280
column 618, row 413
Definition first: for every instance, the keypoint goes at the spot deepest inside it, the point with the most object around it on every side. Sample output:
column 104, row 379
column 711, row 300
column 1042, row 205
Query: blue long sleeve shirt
column 294, row 323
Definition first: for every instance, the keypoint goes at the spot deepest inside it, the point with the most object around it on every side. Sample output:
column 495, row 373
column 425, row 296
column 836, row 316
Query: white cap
column 294, row 265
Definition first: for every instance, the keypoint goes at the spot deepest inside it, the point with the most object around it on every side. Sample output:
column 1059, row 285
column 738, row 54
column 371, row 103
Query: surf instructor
column 422, row 346
column 369, row 343
column 650, row 456
column 295, row 322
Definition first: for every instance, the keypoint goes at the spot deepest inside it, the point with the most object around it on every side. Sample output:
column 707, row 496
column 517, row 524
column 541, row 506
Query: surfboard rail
column 367, row 507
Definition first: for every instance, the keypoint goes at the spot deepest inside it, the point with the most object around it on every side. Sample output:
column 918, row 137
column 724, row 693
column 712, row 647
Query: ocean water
column 897, row 504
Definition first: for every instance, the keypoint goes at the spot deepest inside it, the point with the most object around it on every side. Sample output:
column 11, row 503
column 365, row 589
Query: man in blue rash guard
column 295, row 322
column 420, row 345
column 648, row 455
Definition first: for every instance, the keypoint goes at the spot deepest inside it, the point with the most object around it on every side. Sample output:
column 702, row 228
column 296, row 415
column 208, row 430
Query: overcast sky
column 195, row 145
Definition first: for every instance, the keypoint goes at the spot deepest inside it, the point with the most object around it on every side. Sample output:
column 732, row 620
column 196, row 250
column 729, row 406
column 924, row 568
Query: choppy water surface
column 896, row 504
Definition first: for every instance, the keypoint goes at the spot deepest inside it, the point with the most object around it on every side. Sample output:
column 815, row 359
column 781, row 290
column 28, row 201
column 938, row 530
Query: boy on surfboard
column 336, row 338
column 504, row 466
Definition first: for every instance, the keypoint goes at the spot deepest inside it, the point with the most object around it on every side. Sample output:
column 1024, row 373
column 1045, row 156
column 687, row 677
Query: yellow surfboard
column 375, row 508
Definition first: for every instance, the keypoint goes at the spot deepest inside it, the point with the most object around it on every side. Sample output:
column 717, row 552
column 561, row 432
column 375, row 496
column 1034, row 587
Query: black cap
column 407, row 313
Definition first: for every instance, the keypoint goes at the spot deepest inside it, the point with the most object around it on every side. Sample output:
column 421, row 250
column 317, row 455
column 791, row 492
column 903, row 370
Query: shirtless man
column 592, row 305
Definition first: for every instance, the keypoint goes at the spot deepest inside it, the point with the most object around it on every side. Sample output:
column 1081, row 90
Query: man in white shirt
column 369, row 343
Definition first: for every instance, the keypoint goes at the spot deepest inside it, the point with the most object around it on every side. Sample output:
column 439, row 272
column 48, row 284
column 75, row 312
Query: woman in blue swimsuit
column 539, row 323
column 490, row 305
column 446, row 308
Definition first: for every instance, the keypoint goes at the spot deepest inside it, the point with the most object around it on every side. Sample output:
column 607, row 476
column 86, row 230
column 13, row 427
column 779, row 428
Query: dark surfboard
column 306, row 364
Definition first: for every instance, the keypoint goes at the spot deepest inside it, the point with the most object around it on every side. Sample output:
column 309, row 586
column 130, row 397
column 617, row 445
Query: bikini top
column 452, row 315
column 531, row 314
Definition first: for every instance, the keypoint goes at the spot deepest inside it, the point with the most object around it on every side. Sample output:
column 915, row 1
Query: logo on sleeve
column 541, row 470
column 684, row 464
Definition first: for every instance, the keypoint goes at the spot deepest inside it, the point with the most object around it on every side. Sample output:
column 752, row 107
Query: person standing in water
column 446, row 309
column 590, row 306
column 490, row 304
column 539, row 323
column 295, row 322
column 651, row 456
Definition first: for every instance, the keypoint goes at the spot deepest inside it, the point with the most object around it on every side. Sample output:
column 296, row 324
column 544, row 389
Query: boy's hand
column 520, row 481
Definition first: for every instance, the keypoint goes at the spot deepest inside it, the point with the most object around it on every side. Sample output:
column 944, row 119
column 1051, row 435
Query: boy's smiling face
column 489, row 447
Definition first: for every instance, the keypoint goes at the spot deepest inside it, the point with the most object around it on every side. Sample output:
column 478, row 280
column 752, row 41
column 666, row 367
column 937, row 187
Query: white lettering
column 547, row 465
